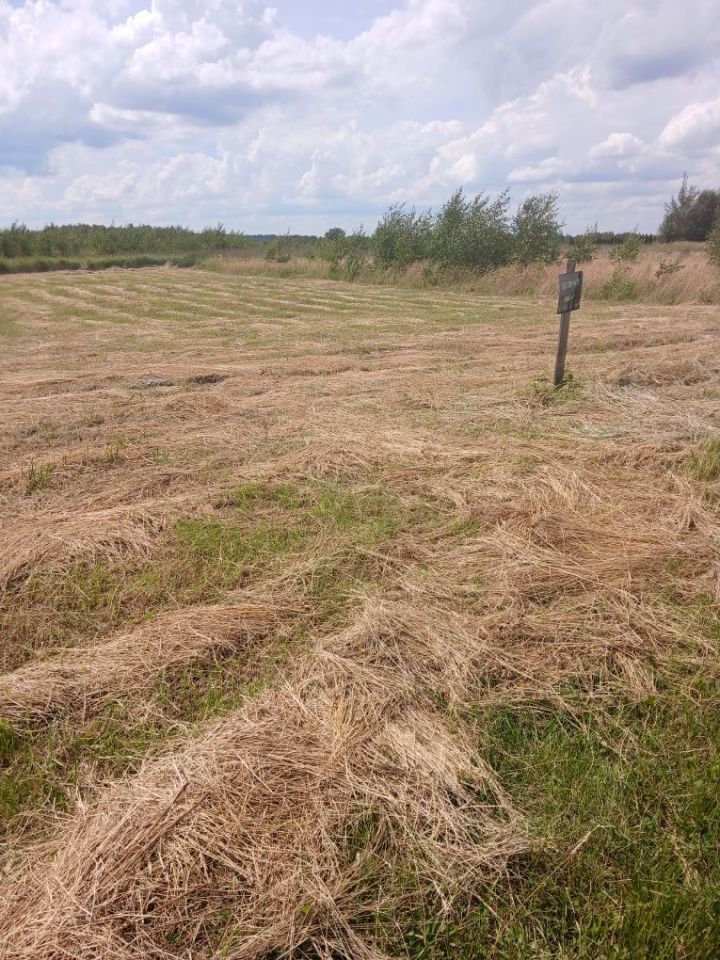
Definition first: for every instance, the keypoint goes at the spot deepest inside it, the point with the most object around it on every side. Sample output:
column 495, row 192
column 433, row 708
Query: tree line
column 478, row 233
column 91, row 240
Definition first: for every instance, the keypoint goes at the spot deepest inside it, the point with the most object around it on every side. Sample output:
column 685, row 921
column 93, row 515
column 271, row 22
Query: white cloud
column 695, row 127
column 617, row 145
column 199, row 110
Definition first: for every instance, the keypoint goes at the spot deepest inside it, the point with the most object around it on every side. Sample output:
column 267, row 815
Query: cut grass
column 491, row 612
column 42, row 770
column 9, row 326
column 624, row 813
column 254, row 530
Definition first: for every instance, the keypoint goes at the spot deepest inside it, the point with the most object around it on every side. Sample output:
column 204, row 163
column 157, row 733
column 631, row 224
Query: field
column 330, row 630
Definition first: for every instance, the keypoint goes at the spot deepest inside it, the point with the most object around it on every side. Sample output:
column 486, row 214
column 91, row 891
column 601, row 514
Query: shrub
column 402, row 237
column 667, row 267
column 278, row 250
column 472, row 233
column 629, row 250
column 347, row 256
column 584, row 248
column 619, row 286
column 536, row 228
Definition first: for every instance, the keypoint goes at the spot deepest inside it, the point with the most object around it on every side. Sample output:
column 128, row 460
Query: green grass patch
column 704, row 462
column 624, row 812
column 545, row 393
column 254, row 528
column 249, row 495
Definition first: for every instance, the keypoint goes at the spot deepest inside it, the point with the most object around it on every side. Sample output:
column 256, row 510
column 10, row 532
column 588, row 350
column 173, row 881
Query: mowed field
column 329, row 630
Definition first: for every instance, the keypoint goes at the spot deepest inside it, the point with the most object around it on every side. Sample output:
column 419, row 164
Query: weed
column 38, row 477
column 704, row 462
column 547, row 394
column 114, row 451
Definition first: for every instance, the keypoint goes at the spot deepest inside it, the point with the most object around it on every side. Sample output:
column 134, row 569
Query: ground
column 330, row 627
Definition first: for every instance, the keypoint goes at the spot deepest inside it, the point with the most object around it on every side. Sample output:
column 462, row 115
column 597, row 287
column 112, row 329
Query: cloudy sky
column 306, row 114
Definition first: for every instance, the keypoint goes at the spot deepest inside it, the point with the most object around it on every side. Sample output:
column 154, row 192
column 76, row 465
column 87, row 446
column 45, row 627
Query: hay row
column 83, row 679
column 58, row 540
column 259, row 812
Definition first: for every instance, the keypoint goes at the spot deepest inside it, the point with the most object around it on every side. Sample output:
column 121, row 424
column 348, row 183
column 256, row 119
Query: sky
column 308, row 114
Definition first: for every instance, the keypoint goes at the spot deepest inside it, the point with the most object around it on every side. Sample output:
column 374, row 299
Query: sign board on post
column 568, row 300
column 570, row 290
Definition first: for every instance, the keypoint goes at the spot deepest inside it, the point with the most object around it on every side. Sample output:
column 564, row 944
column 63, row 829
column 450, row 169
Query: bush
column 347, row 256
column 402, row 237
column 472, row 233
column 584, row 248
column 278, row 250
column 629, row 250
column 619, row 287
column 536, row 228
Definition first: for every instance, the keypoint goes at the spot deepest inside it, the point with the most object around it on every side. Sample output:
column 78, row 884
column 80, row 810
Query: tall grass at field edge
column 663, row 273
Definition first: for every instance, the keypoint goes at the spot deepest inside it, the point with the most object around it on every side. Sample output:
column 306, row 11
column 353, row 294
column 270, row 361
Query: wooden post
column 564, row 332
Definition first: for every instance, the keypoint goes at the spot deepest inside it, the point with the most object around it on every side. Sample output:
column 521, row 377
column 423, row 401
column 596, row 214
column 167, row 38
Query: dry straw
column 55, row 541
column 82, row 680
column 262, row 808
column 543, row 544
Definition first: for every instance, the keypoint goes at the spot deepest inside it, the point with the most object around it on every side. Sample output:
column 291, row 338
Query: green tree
column 629, row 250
column 472, row 233
column 691, row 214
column 536, row 227
column 402, row 237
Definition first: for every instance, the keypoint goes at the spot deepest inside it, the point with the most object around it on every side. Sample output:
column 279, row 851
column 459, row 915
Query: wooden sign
column 569, row 300
column 570, row 291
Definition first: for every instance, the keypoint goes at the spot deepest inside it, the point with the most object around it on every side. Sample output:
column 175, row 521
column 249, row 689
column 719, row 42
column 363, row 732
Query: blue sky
column 305, row 115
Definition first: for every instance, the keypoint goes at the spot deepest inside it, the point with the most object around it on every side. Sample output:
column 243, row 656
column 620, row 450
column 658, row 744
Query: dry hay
column 531, row 557
column 83, row 679
column 685, row 371
column 56, row 541
column 261, row 810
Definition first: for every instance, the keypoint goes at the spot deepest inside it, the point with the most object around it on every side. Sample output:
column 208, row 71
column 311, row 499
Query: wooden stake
column 563, row 338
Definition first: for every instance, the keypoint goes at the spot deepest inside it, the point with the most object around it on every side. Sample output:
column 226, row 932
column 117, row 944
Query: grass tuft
column 704, row 462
